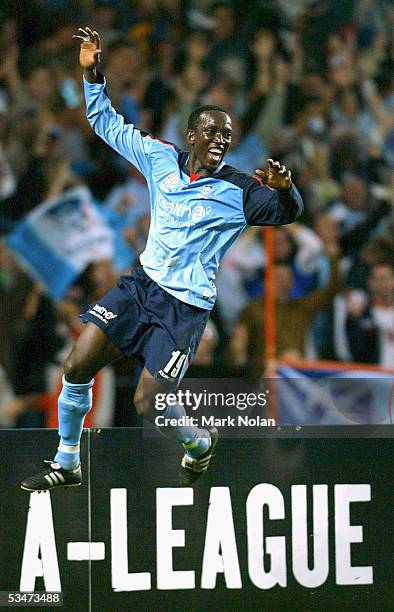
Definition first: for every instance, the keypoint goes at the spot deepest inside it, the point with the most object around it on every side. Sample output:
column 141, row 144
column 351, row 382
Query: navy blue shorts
column 149, row 324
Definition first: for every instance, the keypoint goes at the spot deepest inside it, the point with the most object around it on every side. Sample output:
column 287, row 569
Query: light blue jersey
column 194, row 220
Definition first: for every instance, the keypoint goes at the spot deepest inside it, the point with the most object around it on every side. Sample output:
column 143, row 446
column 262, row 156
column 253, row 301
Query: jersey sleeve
column 266, row 206
column 125, row 139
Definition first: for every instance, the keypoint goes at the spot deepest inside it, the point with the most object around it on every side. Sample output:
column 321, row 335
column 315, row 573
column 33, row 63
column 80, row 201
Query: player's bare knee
column 75, row 371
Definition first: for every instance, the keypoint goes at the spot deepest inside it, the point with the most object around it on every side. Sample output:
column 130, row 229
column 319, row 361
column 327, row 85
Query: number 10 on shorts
column 175, row 363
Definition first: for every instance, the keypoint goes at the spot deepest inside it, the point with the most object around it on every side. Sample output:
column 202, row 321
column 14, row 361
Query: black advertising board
column 299, row 519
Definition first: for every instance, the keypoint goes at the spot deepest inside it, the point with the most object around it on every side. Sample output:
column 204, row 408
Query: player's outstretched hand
column 89, row 53
column 275, row 176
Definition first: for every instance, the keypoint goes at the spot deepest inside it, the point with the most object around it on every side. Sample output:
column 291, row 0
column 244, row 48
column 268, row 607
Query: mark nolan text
column 241, row 420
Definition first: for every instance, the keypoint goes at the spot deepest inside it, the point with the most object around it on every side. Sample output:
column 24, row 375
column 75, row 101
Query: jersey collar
column 184, row 158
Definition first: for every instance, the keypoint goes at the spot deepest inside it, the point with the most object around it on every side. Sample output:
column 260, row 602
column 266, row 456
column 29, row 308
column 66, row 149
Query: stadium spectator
column 351, row 209
column 159, row 90
column 242, row 264
column 224, row 35
column 293, row 319
column 378, row 250
column 127, row 76
column 370, row 318
column 240, row 277
column 130, row 199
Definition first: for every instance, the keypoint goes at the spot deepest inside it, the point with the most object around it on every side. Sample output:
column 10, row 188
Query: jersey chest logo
column 171, row 181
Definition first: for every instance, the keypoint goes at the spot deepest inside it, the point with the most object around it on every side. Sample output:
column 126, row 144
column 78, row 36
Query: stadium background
column 309, row 83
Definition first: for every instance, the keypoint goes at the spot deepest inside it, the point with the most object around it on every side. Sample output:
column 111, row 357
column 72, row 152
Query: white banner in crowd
column 334, row 394
column 60, row 237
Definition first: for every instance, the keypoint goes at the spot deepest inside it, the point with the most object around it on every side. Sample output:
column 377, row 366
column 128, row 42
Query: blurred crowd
column 307, row 82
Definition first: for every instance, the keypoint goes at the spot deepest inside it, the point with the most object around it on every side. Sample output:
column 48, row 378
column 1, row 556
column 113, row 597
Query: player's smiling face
column 209, row 142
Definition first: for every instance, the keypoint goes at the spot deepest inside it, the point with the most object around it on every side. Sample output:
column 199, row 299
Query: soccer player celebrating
column 199, row 205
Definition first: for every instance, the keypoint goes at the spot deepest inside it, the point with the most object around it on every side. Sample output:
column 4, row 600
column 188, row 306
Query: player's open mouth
column 216, row 154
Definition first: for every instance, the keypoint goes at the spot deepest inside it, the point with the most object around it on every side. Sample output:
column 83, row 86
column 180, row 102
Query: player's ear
column 191, row 136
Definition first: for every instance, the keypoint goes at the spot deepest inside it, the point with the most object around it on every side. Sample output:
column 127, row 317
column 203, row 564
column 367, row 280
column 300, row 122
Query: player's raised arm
column 89, row 53
column 272, row 198
column 124, row 138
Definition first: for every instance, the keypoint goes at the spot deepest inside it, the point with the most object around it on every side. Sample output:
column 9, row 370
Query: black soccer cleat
column 192, row 469
column 53, row 477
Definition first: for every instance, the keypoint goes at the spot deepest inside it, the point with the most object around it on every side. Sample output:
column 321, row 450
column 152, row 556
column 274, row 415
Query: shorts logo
column 102, row 313
column 173, row 367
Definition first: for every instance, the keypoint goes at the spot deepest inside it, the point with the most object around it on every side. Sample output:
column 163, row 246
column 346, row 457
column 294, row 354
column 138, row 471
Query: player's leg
column 91, row 352
column 198, row 443
column 168, row 346
column 195, row 440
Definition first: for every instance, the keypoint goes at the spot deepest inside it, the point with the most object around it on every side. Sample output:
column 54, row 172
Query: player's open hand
column 275, row 176
column 89, row 54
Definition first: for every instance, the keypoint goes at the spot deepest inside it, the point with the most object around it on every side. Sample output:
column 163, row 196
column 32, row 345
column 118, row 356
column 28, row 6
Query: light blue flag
column 60, row 237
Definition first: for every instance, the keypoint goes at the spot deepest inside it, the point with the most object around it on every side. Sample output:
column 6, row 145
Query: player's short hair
column 195, row 115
